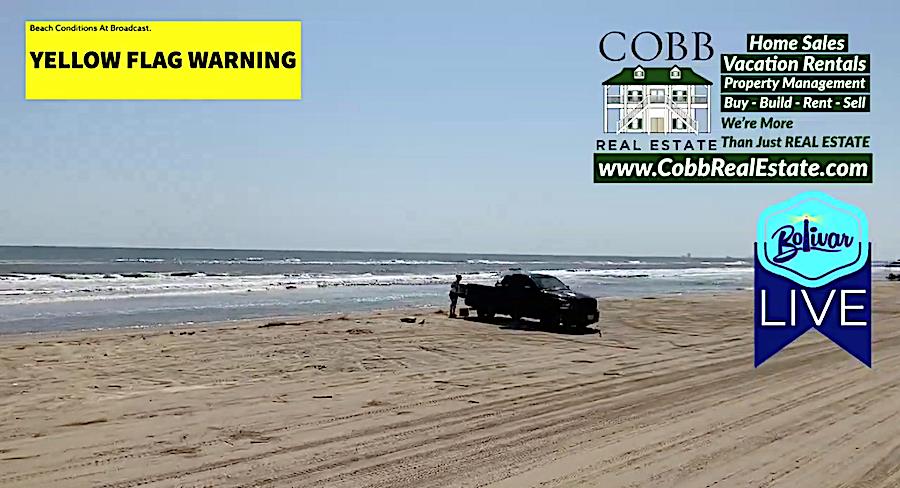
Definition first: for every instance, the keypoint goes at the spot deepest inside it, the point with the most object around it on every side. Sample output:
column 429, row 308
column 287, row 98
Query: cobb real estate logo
column 658, row 101
column 812, row 270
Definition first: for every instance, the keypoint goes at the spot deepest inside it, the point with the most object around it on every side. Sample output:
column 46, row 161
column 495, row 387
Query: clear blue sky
column 453, row 126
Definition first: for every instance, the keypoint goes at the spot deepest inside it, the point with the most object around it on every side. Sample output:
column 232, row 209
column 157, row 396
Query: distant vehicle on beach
column 894, row 276
column 534, row 296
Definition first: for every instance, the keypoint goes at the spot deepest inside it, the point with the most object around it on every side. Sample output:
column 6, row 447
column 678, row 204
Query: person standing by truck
column 454, row 295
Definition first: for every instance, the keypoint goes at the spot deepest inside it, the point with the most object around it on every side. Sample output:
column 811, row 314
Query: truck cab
column 533, row 295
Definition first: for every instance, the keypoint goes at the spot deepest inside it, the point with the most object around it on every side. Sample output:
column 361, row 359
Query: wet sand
column 667, row 397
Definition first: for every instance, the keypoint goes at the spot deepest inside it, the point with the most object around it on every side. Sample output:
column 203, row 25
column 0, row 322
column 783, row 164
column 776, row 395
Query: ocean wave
column 319, row 262
column 50, row 288
column 501, row 262
column 43, row 288
column 299, row 261
column 609, row 262
column 738, row 262
column 657, row 273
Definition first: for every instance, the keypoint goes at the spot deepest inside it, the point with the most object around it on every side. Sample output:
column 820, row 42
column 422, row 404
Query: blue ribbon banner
column 840, row 310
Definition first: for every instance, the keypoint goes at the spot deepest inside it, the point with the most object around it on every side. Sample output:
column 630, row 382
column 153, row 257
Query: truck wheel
column 550, row 320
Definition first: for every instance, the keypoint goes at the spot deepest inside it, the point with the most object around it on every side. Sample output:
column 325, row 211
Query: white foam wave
column 298, row 261
column 659, row 273
column 21, row 289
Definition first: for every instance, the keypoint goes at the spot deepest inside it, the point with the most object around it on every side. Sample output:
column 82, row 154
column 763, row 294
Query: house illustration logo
column 657, row 100
column 812, row 271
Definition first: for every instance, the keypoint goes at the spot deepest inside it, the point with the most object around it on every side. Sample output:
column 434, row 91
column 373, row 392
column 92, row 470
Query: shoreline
column 78, row 289
column 310, row 316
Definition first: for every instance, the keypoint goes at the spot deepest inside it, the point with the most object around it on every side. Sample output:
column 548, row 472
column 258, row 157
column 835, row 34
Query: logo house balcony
column 657, row 100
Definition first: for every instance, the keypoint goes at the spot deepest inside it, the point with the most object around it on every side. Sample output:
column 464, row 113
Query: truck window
column 549, row 283
column 517, row 281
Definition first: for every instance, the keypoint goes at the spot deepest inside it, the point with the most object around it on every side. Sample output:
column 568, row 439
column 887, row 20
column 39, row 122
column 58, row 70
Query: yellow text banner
column 162, row 60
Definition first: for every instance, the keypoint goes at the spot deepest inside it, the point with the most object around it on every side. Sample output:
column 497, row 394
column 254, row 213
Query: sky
column 449, row 127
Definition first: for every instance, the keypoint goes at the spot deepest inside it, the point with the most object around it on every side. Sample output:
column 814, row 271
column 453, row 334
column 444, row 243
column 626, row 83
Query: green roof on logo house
column 657, row 76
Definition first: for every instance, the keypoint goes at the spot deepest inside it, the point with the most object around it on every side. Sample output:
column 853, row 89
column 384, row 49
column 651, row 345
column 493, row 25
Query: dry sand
column 667, row 397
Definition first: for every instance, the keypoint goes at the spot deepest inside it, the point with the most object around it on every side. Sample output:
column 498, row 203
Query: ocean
column 65, row 288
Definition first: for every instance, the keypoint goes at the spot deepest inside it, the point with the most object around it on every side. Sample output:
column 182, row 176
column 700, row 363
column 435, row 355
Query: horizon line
column 168, row 248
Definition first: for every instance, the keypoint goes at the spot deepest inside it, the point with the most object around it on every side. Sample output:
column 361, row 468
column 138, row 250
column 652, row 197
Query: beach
column 666, row 396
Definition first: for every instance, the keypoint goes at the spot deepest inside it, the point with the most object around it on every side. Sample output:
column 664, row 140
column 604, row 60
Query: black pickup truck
column 534, row 296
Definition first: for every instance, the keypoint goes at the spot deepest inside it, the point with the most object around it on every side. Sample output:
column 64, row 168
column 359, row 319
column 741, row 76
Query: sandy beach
column 667, row 396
